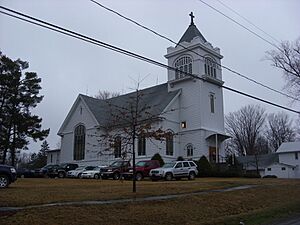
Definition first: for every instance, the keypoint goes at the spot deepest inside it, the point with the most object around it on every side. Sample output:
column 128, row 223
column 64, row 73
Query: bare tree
column 298, row 128
column 130, row 121
column 245, row 126
column 279, row 130
column 287, row 58
column 103, row 95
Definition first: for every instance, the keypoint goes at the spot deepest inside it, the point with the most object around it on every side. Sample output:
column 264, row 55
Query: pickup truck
column 8, row 175
column 114, row 170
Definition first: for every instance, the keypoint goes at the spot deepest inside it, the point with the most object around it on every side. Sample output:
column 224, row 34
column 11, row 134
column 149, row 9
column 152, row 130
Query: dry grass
column 39, row 191
column 252, row 206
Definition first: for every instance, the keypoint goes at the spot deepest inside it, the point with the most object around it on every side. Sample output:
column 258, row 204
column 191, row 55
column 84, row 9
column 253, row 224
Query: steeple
column 191, row 32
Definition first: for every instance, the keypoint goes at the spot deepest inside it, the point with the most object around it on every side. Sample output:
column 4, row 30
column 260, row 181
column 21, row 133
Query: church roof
column 191, row 33
column 156, row 98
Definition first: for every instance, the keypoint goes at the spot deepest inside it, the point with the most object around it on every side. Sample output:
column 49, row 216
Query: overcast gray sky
column 69, row 67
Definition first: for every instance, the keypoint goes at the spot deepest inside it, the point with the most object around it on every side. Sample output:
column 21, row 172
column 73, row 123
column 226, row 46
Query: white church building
column 197, row 124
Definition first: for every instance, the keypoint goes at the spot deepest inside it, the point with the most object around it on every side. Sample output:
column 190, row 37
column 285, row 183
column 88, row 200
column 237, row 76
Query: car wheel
column 116, row 176
column 169, row 176
column 4, row 181
column 96, row 176
column 192, row 176
column 139, row 176
column 61, row 175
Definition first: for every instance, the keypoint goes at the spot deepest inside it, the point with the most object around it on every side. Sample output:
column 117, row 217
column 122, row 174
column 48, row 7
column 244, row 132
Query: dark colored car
column 44, row 171
column 142, row 169
column 61, row 170
column 8, row 175
column 115, row 170
column 25, row 173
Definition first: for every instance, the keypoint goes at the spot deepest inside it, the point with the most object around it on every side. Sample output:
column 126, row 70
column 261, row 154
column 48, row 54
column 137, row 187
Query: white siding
column 277, row 170
column 289, row 158
column 53, row 157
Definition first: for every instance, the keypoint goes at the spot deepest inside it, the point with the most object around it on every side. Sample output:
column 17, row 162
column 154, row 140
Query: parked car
column 78, row 171
column 8, row 175
column 115, row 170
column 94, row 173
column 25, row 173
column 142, row 169
column 61, row 170
column 44, row 171
column 177, row 170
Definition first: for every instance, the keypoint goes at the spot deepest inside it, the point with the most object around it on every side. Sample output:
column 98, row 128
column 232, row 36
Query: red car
column 142, row 169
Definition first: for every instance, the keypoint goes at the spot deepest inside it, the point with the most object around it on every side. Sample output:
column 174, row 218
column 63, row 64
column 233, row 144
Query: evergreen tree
column 159, row 158
column 19, row 94
column 204, row 167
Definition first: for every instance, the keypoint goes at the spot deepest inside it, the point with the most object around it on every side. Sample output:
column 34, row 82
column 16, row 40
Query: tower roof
column 191, row 32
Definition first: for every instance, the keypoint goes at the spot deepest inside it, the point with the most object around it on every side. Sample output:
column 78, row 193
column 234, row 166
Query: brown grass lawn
column 38, row 191
column 272, row 199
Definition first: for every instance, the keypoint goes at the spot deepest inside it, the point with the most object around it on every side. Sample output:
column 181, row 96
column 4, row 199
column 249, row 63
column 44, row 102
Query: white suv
column 175, row 170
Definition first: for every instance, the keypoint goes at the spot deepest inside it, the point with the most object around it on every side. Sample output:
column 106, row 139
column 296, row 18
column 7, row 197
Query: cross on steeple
column 192, row 18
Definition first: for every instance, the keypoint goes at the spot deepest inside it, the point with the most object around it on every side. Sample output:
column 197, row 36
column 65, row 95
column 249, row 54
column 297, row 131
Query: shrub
column 270, row 176
column 180, row 158
column 159, row 158
column 251, row 175
column 204, row 167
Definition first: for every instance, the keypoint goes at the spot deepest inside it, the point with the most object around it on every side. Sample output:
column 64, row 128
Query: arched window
column 117, row 147
column 169, row 144
column 189, row 150
column 141, row 145
column 79, row 142
column 210, row 67
column 183, row 64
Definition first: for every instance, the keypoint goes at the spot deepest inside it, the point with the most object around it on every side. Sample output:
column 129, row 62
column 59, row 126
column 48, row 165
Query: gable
column 79, row 114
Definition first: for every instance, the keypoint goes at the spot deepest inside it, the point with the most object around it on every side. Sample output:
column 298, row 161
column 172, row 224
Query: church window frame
column 170, row 143
column 79, row 142
column 183, row 65
column 189, row 150
column 141, row 145
column 117, row 147
column 210, row 67
column 212, row 102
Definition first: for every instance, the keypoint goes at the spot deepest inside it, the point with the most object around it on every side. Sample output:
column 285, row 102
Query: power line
column 241, row 25
column 76, row 35
column 247, row 20
column 172, row 41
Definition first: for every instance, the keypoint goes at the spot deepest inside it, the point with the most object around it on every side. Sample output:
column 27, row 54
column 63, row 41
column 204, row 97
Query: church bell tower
column 201, row 99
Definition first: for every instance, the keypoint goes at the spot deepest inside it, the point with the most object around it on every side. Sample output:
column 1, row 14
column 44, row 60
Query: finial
column 192, row 18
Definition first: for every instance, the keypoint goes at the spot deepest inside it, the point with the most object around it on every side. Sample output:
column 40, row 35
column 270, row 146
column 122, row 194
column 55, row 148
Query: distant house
column 289, row 161
column 53, row 156
column 253, row 163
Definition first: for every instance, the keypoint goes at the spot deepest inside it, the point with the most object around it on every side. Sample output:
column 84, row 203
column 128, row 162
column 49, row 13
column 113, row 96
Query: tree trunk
column 256, row 163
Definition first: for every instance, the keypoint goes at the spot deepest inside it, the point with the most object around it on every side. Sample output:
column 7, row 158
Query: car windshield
column 141, row 164
column 80, row 168
column 89, row 167
column 168, row 165
column 48, row 166
column 117, row 163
